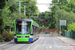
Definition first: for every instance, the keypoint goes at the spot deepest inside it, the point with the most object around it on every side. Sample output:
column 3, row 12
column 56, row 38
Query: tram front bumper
column 23, row 40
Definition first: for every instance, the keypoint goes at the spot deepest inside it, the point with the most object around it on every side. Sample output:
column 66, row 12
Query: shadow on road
column 20, row 43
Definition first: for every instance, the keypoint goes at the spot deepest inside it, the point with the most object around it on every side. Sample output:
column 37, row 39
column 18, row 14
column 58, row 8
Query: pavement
column 3, row 43
column 66, row 40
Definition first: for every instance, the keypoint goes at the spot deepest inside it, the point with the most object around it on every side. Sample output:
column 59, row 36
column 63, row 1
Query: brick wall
column 50, row 30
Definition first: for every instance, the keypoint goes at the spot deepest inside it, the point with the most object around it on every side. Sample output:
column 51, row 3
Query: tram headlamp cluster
column 31, row 36
column 26, row 36
column 18, row 36
column 15, row 36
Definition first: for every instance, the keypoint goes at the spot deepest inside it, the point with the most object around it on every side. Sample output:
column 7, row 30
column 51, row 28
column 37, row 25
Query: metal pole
column 60, row 30
column 20, row 8
column 58, row 0
column 11, row 21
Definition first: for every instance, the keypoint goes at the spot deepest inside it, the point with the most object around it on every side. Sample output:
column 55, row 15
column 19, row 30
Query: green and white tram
column 26, row 30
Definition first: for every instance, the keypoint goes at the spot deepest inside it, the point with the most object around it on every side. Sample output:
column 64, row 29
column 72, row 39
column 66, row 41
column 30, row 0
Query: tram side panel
column 35, row 32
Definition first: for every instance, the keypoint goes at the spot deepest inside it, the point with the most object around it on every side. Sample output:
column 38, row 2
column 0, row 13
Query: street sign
column 62, row 22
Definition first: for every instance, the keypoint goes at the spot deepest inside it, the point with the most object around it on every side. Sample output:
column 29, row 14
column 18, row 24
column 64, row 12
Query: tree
column 2, row 3
column 30, row 7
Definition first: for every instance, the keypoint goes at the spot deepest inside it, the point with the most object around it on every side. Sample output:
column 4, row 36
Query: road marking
column 22, row 47
column 38, row 43
column 44, row 44
column 8, row 47
column 50, row 47
column 32, row 44
column 55, row 44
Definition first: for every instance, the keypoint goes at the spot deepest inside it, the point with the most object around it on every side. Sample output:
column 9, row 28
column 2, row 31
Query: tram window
column 32, row 30
column 23, row 27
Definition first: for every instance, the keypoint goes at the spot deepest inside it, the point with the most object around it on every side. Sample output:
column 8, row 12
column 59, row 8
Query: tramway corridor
column 45, row 42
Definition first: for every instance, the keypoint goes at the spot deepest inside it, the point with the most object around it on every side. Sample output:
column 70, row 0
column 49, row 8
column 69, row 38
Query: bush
column 7, row 36
column 1, row 37
column 71, row 27
column 12, row 33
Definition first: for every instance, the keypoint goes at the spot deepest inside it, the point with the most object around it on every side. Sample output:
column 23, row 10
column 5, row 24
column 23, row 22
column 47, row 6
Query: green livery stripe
column 15, row 25
column 22, row 35
column 31, row 27
column 35, row 23
column 22, row 39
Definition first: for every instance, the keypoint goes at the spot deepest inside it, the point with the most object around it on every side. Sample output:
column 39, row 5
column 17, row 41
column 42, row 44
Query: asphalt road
column 45, row 42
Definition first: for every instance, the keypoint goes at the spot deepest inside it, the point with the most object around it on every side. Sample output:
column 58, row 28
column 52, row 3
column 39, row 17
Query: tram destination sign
column 62, row 22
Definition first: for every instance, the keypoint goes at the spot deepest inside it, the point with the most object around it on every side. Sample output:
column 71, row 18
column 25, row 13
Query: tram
column 26, row 30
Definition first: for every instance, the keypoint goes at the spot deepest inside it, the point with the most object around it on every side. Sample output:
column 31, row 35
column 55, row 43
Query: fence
column 69, row 34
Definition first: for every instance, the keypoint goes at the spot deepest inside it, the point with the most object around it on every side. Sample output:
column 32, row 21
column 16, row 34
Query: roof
column 23, row 19
column 27, row 20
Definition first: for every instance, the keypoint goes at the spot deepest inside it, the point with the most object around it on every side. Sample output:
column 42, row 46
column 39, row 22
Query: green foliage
column 64, row 10
column 63, row 15
column 1, row 37
column 2, row 3
column 43, row 26
column 12, row 33
column 71, row 27
column 29, row 8
column 46, row 19
column 4, row 17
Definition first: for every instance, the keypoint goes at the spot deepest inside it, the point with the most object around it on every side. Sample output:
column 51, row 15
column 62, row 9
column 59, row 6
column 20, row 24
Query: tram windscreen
column 23, row 27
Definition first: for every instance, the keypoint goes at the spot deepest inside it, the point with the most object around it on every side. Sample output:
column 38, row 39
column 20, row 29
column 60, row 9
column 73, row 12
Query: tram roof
column 26, row 20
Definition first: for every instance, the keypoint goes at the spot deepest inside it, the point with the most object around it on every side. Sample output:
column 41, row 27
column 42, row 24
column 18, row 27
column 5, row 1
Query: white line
column 4, row 44
column 38, row 43
column 31, row 45
column 44, row 44
column 50, row 47
column 55, row 44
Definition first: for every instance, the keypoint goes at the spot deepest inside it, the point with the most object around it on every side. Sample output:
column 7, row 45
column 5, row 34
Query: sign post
column 62, row 23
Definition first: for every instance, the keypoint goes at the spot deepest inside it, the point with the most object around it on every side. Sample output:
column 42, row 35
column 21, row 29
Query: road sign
column 62, row 22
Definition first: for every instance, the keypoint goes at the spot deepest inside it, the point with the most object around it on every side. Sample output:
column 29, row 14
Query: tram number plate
column 23, row 36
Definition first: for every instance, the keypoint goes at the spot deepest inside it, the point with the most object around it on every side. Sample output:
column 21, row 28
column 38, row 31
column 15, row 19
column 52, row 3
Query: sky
column 43, row 5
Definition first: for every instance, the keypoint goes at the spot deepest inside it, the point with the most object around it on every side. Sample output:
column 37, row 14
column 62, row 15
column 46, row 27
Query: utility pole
column 58, row 0
column 20, row 8
column 10, row 20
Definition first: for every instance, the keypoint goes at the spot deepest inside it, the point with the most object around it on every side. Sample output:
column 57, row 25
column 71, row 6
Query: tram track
column 45, row 42
column 30, row 45
column 38, row 44
column 8, row 47
column 55, row 44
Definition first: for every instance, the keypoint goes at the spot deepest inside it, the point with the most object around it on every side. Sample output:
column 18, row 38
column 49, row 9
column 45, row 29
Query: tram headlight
column 15, row 36
column 31, row 36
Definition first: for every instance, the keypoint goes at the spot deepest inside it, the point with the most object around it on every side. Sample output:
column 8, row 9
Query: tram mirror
column 31, row 34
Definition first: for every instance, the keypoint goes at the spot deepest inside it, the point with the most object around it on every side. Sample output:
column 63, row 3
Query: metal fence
column 69, row 34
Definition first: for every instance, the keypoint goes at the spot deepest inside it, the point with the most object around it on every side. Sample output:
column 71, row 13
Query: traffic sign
column 62, row 22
